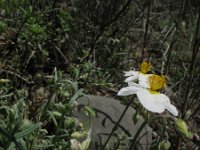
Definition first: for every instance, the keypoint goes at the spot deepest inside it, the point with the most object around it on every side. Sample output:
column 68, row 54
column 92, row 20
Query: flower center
column 156, row 82
column 145, row 67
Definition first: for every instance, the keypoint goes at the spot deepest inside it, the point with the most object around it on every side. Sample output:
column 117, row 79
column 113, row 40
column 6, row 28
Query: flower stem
column 137, row 134
column 132, row 146
column 117, row 124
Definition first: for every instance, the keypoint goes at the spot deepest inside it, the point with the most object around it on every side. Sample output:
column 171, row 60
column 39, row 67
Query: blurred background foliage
column 58, row 47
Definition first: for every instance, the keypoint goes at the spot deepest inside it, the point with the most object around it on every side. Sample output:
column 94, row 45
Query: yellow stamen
column 153, row 92
column 145, row 67
column 156, row 82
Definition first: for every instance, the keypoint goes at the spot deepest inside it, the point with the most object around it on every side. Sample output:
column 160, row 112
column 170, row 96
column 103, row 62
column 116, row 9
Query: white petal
column 143, row 80
column 135, row 85
column 130, row 83
column 128, row 91
column 130, row 73
column 151, row 102
column 155, row 102
column 172, row 109
column 131, row 78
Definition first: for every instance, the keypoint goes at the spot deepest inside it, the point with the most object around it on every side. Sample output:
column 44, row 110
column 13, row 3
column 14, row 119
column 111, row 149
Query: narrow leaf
column 27, row 131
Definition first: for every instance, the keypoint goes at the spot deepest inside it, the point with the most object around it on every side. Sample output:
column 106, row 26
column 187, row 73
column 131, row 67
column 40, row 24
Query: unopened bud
column 69, row 122
column 75, row 145
column 136, row 117
column 182, row 127
column 190, row 135
column 188, row 114
column 164, row 145
column 77, row 135
column 85, row 144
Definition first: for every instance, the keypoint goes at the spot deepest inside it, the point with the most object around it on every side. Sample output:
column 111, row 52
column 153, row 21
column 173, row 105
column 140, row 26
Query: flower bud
column 188, row 114
column 69, row 122
column 164, row 145
column 77, row 135
column 85, row 144
column 136, row 117
column 75, row 145
column 182, row 127
column 190, row 135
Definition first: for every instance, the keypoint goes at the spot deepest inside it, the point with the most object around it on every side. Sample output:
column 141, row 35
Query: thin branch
column 195, row 111
column 166, row 36
column 102, row 28
column 193, row 62
column 167, row 54
column 117, row 124
column 144, row 54
column 118, row 14
column 36, row 14
column 17, row 75
column 66, row 61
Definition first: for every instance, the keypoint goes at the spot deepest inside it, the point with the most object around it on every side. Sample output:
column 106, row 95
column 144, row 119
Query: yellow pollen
column 145, row 67
column 153, row 92
column 156, row 82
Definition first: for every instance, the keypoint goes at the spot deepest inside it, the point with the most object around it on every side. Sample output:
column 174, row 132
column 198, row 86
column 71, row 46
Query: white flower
column 137, row 77
column 134, row 76
column 147, row 94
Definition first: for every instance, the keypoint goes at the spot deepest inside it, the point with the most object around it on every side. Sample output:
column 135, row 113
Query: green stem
column 132, row 146
column 117, row 124
column 137, row 134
